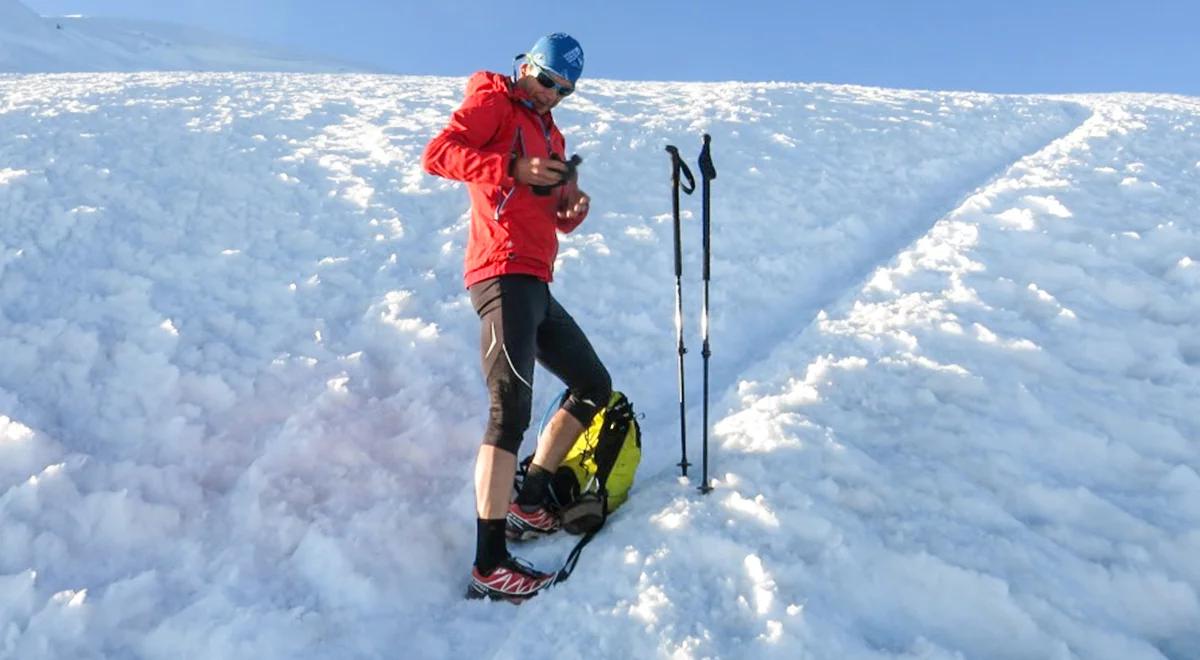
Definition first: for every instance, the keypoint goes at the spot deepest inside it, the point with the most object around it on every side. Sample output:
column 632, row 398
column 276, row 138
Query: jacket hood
column 489, row 81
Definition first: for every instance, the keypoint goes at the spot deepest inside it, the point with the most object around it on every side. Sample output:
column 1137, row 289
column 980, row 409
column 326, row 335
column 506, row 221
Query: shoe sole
column 476, row 592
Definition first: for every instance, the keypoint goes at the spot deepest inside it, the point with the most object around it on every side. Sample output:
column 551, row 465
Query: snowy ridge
column 32, row 44
column 1037, row 410
column 239, row 398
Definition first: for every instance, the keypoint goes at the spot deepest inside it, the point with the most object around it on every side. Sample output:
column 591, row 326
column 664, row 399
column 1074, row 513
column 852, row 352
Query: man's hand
column 574, row 205
column 539, row 171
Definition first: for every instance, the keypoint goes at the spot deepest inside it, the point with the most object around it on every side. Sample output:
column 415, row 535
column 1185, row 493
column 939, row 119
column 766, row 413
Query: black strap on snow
column 617, row 419
column 573, row 557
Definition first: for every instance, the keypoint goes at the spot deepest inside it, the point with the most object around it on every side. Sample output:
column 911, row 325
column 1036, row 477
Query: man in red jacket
column 504, row 144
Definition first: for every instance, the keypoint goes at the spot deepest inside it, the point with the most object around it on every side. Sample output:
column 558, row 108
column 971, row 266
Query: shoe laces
column 525, row 567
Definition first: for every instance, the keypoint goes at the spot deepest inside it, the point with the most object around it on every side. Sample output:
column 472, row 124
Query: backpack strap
column 573, row 557
column 617, row 418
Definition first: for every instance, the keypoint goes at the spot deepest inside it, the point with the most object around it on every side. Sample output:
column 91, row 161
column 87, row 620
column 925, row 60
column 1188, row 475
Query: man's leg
column 566, row 352
column 556, row 440
column 509, row 309
column 560, row 433
column 494, row 472
column 495, row 574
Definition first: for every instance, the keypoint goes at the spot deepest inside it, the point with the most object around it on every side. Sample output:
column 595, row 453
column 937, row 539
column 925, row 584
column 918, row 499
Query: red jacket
column 512, row 229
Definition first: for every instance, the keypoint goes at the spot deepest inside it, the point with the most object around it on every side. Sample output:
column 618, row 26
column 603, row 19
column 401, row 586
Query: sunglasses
column 549, row 83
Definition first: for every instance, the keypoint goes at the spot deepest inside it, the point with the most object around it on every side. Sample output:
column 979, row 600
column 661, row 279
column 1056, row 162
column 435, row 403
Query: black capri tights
column 522, row 323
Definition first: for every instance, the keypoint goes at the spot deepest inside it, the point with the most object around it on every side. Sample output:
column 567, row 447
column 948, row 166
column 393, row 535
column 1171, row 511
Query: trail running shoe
column 513, row 580
column 523, row 525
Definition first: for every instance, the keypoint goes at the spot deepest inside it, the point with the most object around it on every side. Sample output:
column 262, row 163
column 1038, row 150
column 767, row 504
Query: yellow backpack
column 595, row 476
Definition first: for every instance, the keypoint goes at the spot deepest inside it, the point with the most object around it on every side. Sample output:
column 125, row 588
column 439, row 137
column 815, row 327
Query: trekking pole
column 678, row 165
column 707, row 174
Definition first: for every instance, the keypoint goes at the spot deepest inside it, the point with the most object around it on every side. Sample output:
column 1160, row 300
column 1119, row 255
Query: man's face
column 544, row 88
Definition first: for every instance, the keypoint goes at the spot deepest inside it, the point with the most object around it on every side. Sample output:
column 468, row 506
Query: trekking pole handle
column 706, row 165
column 708, row 173
column 677, row 165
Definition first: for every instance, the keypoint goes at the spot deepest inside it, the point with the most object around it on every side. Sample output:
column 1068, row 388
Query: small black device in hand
column 567, row 176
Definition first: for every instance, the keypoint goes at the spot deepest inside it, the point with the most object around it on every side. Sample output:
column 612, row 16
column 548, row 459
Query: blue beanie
column 558, row 53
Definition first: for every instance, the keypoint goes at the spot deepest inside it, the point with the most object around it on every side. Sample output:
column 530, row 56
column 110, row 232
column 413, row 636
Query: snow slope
column 32, row 44
column 955, row 372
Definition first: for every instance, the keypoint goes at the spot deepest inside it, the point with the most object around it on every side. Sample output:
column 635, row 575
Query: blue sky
column 1000, row 46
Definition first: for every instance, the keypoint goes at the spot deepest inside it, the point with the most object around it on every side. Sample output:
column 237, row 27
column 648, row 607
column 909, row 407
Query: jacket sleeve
column 457, row 152
column 568, row 225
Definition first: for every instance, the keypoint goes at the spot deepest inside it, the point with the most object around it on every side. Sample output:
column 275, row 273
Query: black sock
column 533, row 489
column 490, row 545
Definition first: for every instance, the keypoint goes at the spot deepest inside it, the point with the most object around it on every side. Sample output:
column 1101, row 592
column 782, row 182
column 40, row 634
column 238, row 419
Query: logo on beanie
column 575, row 57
